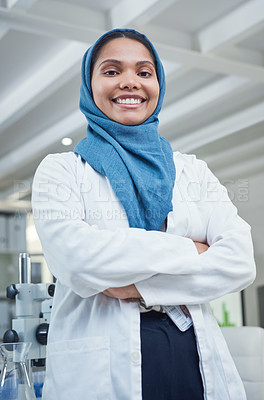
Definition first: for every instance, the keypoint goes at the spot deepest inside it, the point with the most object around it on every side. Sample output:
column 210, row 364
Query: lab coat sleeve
column 90, row 260
column 227, row 266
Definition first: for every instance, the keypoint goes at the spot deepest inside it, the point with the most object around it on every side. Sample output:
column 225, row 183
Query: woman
column 125, row 226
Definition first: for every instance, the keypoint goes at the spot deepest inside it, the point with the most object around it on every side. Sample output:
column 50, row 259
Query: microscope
column 32, row 312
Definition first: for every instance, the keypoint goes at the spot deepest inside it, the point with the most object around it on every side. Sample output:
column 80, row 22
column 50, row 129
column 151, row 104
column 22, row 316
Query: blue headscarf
column 136, row 160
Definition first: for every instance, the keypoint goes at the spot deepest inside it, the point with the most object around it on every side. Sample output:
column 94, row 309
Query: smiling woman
column 124, row 82
column 130, row 247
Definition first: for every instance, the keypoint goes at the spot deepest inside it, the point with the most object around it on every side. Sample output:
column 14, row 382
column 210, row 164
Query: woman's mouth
column 129, row 100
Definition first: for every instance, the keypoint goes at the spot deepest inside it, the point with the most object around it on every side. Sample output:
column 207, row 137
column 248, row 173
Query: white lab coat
column 93, row 350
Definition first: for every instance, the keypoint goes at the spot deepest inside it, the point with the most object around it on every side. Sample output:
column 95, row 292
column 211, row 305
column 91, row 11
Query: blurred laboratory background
column 213, row 53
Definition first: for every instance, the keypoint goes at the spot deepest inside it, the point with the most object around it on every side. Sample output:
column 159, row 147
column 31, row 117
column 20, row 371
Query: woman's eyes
column 111, row 73
column 143, row 74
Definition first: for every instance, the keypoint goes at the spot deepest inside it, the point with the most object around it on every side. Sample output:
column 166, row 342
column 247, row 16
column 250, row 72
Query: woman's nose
column 129, row 81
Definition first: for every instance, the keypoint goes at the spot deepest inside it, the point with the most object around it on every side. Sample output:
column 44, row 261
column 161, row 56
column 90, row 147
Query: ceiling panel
column 21, row 55
column 98, row 5
column 193, row 15
column 256, row 41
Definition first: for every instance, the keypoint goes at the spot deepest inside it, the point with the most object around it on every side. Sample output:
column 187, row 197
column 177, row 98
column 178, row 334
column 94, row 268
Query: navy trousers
column 170, row 362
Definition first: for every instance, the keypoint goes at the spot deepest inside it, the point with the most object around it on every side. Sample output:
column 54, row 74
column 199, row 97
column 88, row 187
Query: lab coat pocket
column 78, row 369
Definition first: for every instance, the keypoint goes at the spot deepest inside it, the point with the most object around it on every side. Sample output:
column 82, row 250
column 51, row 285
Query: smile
column 129, row 100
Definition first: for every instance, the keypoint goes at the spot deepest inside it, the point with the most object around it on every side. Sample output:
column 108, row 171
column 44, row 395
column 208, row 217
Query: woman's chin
column 130, row 121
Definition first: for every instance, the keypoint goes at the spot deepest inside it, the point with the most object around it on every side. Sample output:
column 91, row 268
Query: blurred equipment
column 246, row 345
column 33, row 309
column 14, row 381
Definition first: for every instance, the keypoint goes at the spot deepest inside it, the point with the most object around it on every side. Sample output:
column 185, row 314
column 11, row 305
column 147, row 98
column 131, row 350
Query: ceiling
column 214, row 106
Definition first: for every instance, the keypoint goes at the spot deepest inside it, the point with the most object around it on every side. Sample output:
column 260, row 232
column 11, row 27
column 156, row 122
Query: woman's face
column 124, row 82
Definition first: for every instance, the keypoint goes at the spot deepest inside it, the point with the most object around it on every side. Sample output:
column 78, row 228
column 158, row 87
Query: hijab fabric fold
column 136, row 160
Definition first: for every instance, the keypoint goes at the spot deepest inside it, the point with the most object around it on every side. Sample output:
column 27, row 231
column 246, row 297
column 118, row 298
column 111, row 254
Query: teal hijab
column 137, row 161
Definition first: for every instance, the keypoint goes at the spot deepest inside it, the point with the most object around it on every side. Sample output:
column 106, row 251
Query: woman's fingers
column 126, row 292
column 201, row 247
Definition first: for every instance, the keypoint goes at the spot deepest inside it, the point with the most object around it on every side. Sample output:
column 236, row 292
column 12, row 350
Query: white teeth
column 128, row 101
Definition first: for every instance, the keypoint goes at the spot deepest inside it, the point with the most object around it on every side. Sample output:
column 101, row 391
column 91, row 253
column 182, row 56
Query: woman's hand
column 201, row 247
column 125, row 292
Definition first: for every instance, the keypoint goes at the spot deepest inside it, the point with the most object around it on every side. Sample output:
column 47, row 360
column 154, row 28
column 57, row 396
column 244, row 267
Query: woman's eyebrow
column 112, row 60
column 145, row 62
